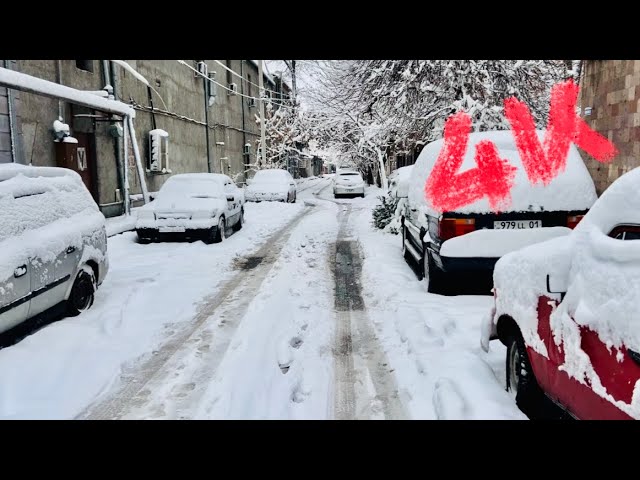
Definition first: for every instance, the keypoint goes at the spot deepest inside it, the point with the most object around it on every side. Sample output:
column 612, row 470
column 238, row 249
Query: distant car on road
column 473, row 237
column 348, row 182
column 271, row 185
column 53, row 243
column 568, row 311
column 200, row 206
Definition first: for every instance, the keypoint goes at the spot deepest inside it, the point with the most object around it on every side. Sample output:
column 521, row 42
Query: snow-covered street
column 305, row 313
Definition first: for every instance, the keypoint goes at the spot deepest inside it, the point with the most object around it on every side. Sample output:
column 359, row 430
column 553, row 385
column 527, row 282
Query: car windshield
column 271, row 176
column 192, row 188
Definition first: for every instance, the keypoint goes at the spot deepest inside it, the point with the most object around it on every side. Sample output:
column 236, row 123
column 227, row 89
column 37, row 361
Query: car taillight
column 573, row 220
column 454, row 227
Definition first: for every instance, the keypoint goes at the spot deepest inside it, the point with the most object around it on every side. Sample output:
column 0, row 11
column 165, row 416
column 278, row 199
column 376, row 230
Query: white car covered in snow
column 399, row 182
column 53, row 243
column 272, row 184
column 201, row 206
column 348, row 182
column 473, row 237
column 568, row 310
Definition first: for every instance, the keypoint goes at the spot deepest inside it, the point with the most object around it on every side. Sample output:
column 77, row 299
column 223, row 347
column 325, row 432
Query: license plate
column 517, row 224
column 171, row 229
column 349, row 189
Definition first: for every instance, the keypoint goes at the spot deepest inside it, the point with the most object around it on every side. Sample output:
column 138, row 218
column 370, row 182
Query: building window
column 249, row 84
column 86, row 65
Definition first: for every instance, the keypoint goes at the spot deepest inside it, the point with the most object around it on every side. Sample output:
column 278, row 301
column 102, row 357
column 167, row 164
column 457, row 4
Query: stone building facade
column 211, row 126
column 610, row 104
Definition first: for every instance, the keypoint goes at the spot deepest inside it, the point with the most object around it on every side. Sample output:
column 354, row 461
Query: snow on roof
column 212, row 177
column 572, row 189
column 28, row 83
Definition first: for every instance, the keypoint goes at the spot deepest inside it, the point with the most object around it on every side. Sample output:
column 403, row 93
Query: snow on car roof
column 214, row 177
column 573, row 189
column 618, row 204
column 271, row 172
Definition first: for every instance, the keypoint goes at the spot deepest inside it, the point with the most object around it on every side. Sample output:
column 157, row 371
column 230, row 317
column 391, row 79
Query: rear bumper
column 457, row 264
column 337, row 190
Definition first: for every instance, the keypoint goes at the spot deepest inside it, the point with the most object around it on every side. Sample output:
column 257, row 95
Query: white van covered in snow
column 53, row 243
column 474, row 237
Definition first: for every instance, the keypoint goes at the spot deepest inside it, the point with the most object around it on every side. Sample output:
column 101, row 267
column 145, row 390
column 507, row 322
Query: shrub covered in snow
column 385, row 213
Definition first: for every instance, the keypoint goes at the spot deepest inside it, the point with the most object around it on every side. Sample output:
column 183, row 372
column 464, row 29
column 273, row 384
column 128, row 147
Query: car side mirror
column 556, row 286
column 230, row 198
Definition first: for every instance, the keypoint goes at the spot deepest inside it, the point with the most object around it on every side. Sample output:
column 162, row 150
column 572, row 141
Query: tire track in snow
column 360, row 361
column 201, row 345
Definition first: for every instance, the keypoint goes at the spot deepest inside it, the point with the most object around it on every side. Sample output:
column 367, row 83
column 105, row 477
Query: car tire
column 144, row 240
column 221, row 233
column 432, row 275
column 520, row 379
column 240, row 222
column 82, row 292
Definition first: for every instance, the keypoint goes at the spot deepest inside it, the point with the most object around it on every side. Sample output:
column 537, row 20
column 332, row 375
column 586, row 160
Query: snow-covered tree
column 373, row 107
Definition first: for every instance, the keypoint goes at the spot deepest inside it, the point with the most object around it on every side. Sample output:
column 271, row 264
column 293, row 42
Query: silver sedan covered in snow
column 271, row 185
column 193, row 205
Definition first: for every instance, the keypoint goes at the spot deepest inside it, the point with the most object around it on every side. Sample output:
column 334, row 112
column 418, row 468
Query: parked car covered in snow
column 568, row 311
column 348, row 182
column 53, row 243
column 474, row 237
column 399, row 182
column 200, row 206
column 271, row 185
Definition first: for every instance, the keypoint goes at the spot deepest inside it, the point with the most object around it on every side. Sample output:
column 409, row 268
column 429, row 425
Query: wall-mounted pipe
column 11, row 113
column 120, row 144
column 206, row 122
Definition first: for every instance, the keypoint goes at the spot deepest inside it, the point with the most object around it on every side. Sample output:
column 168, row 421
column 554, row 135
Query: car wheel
column 82, row 292
column 520, row 379
column 432, row 276
column 240, row 222
column 144, row 241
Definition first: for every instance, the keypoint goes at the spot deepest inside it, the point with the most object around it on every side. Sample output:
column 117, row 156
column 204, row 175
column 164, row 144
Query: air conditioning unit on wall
column 159, row 151
column 202, row 68
column 233, row 89
column 252, row 102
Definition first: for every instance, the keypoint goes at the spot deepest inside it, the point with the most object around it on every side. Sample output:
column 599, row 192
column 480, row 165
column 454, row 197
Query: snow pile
column 572, row 189
column 159, row 133
column 123, row 223
column 41, row 216
column 496, row 243
column 151, row 290
column 430, row 340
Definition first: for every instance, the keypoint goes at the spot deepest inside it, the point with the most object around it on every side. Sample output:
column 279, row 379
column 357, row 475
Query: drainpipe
column 120, row 145
column 59, row 80
column 12, row 138
column 206, row 121
column 136, row 154
column 244, row 135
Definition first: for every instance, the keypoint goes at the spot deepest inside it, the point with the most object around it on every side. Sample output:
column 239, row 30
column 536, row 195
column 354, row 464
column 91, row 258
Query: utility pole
column 262, row 125
column 291, row 64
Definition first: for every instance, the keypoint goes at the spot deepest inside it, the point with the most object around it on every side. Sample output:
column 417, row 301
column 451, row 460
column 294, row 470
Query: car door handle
column 21, row 271
column 71, row 249
column 635, row 356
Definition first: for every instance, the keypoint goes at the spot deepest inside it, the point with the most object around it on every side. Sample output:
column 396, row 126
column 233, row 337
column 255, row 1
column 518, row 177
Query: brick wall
column 612, row 89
